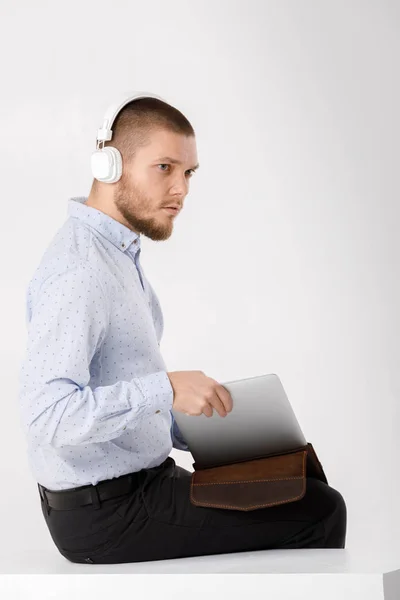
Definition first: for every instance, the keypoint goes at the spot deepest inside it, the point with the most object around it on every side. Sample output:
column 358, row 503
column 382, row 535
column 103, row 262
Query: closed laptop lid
column 262, row 422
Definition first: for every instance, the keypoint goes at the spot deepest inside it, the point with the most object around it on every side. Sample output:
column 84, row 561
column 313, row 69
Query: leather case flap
column 251, row 484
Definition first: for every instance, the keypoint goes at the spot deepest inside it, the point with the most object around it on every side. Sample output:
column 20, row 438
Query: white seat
column 281, row 574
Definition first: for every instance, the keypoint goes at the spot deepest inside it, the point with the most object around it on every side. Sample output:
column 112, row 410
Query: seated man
column 95, row 395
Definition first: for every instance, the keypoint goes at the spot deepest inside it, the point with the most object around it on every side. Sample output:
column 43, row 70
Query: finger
column 215, row 401
column 224, row 396
column 208, row 410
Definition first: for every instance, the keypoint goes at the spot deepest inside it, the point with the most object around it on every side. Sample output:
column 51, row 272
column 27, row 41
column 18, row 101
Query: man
column 95, row 395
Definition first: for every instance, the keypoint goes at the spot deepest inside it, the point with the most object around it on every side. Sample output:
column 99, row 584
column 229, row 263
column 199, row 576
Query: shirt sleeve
column 178, row 441
column 67, row 327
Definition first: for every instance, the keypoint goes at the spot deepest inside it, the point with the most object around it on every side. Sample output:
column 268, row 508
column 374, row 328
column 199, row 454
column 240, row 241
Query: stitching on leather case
column 253, row 505
column 251, row 480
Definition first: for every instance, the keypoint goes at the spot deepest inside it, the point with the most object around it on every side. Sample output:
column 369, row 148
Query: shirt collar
column 115, row 232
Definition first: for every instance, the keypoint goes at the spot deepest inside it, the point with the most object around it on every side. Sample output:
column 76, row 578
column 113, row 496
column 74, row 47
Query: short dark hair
column 135, row 122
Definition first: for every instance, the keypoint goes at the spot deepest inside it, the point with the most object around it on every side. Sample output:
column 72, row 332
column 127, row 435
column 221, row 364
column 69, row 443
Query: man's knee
column 335, row 524
column 340, row 510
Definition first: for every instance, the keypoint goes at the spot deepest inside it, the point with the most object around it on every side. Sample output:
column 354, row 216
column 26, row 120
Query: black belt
column 89, row 494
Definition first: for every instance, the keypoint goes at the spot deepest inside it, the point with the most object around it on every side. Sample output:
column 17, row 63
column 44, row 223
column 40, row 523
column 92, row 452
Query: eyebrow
column 176, row 162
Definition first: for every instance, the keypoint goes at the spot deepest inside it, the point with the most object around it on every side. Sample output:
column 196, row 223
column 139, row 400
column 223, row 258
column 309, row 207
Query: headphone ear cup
column 106, row 164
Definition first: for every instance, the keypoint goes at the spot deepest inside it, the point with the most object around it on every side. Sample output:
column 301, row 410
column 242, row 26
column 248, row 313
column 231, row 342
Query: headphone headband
column 105, row 131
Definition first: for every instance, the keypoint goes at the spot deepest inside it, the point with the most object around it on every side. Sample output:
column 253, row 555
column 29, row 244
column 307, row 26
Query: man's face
column 152, row 182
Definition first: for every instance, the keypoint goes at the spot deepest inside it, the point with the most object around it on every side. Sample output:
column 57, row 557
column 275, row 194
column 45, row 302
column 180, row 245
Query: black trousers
column 157, row 521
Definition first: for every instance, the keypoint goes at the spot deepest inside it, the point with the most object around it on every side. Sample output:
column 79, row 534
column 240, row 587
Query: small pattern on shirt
column 95, row 398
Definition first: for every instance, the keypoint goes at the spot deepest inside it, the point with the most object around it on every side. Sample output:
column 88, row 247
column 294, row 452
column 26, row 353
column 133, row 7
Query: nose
column 180, row 188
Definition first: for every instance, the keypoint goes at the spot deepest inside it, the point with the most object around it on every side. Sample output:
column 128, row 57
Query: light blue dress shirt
column 94, row 395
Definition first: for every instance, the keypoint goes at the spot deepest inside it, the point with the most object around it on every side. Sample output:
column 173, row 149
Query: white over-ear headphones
column 106, row 162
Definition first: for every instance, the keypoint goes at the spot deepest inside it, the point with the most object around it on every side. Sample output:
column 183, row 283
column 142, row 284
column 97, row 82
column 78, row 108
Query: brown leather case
column 257, row 483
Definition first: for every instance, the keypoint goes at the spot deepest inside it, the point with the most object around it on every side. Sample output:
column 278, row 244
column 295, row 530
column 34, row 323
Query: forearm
column 82, row 415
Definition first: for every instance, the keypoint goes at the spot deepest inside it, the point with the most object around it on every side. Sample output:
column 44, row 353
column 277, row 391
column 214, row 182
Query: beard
column 134, row 204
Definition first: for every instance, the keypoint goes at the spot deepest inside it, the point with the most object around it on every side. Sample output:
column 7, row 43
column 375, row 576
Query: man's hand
column 196, row 394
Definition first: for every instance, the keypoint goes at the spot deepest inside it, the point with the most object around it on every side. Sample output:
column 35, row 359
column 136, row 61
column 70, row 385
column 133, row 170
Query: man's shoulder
column 81, row 248
column 67, row 253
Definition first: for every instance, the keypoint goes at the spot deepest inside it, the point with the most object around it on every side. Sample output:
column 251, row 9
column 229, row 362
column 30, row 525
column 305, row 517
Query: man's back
column 95, row 397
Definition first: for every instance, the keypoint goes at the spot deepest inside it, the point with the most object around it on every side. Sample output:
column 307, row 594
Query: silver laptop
column 261, row 422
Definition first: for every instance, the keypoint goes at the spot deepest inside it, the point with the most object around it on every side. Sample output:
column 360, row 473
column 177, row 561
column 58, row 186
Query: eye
column 190, row 172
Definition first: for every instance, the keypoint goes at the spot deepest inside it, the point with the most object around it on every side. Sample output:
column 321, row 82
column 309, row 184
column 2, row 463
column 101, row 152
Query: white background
column 286, row 257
